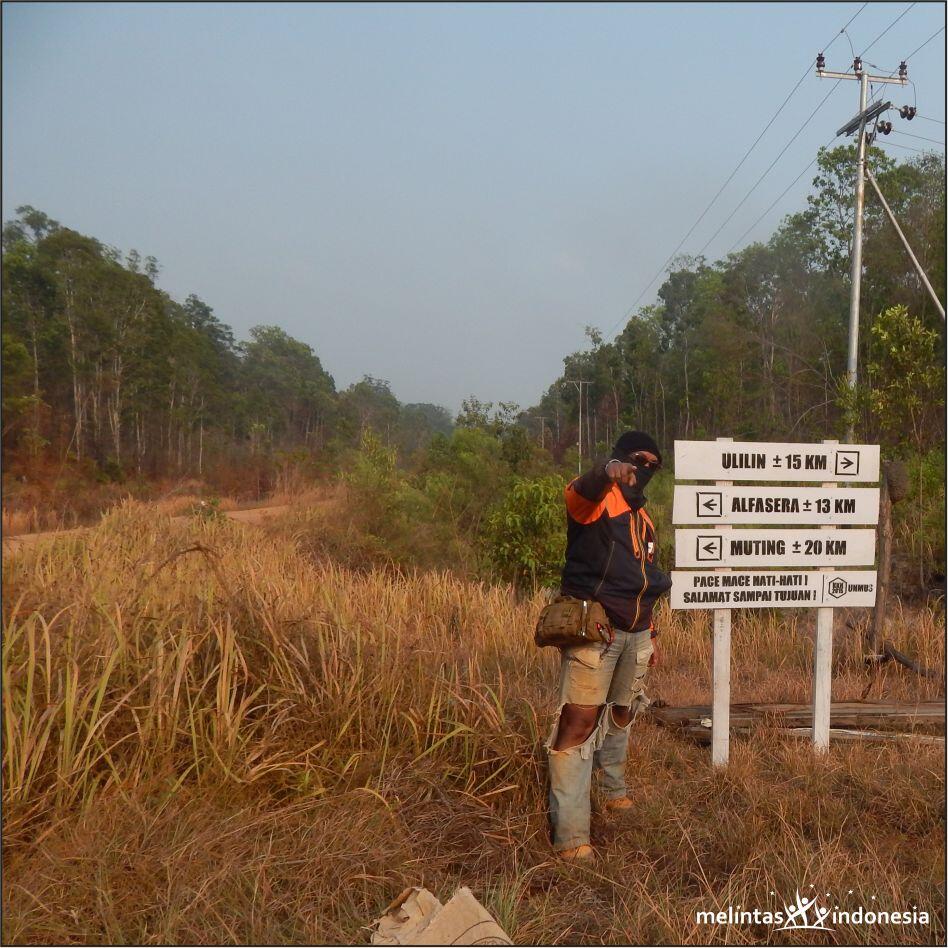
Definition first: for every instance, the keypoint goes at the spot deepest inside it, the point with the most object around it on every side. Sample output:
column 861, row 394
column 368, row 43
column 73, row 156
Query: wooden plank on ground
column 843, row 714
column 702, row 734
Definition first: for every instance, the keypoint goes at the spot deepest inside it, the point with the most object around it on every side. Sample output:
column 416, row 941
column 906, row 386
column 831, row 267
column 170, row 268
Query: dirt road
column 249, row 515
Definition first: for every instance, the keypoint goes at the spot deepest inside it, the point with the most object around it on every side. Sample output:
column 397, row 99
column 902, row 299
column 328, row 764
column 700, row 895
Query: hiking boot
column 618, row 805
column 584, row 853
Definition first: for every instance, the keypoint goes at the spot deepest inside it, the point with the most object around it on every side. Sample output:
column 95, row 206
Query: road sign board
column 775, row 547
column 773, row 505
column 768, row 589
column 763, row 461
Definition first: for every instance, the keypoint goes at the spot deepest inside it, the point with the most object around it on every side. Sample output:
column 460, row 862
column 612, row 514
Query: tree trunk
column 139, row 442
column 34, row 448
column 876, row 629
column 78, row 396
column 687, row 397
column 171, row 402
column 114, row 404
column 664, row 418
column 201, row 443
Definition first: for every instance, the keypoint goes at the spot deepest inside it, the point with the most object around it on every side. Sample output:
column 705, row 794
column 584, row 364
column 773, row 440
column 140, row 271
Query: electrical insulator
column 857, row 65
column 821, row 62
column 885, row 127
column 903, row 70
column 870, row 136
column 908, row 112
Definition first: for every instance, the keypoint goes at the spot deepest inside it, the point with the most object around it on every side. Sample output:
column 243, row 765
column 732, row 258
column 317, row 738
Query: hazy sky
column 441, row 196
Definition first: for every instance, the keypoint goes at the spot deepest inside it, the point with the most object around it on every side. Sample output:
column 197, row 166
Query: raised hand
column 621, row 473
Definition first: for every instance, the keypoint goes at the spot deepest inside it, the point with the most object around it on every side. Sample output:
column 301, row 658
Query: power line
column 905, row 59
column 712, row 202
column 940, row 29
column 813, row 161
column 919, row 151
column 780, row 154
column 852, row 50
column 783, row 194
column 843, row 30
column 886, row 30
column 730, row 177
column 934, row 141
column 810, row 165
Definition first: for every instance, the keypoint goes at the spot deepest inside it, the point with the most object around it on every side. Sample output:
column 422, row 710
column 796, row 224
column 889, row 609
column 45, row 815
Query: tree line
column 102, row 365
column 754, row 346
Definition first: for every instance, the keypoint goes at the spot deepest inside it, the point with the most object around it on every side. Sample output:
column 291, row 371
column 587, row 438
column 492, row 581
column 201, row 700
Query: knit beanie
column 632, row 441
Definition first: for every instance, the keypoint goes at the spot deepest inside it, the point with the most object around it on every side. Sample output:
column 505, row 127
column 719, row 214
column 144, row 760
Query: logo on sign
column 837, row 587
column 710, row 548
column 709, row 503
column 847, row 462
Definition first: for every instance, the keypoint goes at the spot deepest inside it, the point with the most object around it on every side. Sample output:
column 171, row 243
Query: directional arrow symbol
column 847, row 462
column 708, row 548
column 709, row 504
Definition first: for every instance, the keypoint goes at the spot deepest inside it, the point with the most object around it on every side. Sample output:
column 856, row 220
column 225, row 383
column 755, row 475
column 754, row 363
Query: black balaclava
column 624, row 448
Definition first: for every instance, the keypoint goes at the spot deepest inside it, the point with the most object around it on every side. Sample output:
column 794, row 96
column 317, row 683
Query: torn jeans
column 608, row 676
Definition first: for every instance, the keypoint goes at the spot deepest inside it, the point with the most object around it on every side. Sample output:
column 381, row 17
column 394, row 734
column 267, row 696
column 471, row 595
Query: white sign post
column 713, row 545
column 720, row 667
column 823, row 672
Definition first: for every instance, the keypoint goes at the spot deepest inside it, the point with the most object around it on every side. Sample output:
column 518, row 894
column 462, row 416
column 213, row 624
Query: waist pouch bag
column 569, row 621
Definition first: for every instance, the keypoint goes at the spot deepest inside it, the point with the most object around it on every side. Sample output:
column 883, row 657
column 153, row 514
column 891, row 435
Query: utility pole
column 579, row 383
column 542, row 420
column 858, row 123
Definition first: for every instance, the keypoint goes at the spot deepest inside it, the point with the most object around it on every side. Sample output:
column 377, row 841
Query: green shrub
column 395, row 516
column 525, row 535
column 919, row 519
column 208, row 509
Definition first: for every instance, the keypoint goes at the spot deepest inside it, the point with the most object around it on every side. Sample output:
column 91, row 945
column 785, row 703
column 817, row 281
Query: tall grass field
column 212, row 733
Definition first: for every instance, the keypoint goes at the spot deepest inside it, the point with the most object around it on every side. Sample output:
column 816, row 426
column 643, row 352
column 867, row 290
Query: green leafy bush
column 525, row 535
column 919, row 523
column 209, row 509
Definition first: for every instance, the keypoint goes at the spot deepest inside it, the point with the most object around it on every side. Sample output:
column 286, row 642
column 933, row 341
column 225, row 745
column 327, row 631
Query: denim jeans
column 608, row 676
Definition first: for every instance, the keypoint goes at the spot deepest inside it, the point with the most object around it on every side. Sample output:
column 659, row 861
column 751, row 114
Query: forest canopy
column 100, row 363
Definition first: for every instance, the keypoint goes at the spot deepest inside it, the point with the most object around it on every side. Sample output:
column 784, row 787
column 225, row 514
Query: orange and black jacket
column 610, row 551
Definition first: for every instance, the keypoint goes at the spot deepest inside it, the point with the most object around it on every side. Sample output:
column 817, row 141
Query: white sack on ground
column 416, row 917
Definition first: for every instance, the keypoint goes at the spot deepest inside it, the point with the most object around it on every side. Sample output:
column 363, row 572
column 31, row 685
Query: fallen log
column 880, row 715
column 889, row 651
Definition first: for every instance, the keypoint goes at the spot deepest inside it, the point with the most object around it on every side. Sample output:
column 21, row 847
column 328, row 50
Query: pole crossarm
column 892, row 80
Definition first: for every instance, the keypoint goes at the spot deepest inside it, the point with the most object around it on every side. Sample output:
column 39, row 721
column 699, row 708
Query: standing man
column 610, row 558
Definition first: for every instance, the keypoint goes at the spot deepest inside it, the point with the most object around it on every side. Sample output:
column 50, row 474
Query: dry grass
column 211, row 737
